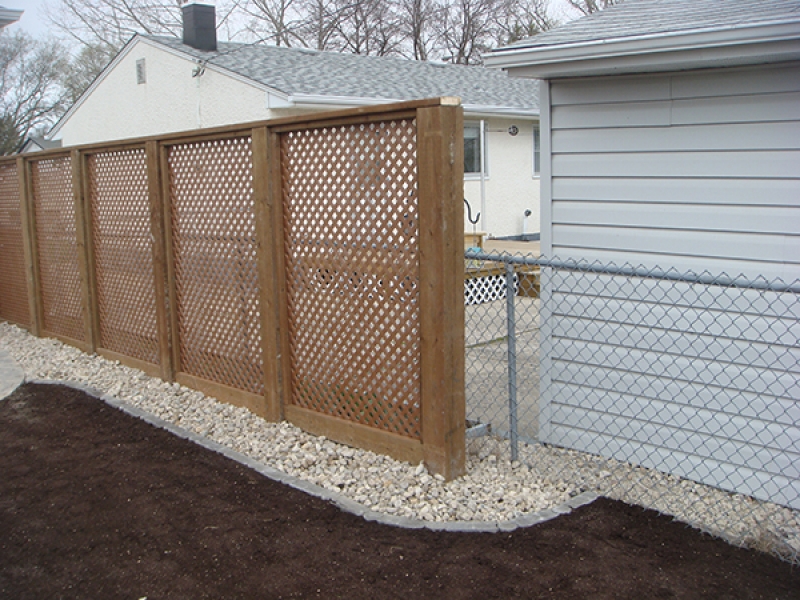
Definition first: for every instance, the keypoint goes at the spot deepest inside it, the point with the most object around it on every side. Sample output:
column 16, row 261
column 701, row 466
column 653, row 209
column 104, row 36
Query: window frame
column 476, row 125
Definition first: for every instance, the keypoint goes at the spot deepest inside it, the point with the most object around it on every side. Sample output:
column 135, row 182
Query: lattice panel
column 13, row 287
column 123, row 247
column 59, row 272
column 216, row 276
column 351, row 231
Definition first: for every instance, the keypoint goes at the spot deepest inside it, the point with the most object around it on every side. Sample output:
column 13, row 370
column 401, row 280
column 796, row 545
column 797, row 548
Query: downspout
column 482, row 143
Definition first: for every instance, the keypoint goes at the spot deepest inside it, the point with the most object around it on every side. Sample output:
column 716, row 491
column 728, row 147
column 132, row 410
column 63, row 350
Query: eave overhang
column 738, row 45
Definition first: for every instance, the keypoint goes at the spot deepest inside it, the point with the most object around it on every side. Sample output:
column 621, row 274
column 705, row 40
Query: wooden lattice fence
column 14, row 305
column 308, row 268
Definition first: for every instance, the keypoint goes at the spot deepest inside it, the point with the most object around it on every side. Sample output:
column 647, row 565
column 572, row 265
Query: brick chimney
column 200, row 26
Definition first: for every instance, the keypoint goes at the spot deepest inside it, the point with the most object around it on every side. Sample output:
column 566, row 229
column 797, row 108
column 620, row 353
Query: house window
column 474, row 155
column 141, row 76
column 536, row 151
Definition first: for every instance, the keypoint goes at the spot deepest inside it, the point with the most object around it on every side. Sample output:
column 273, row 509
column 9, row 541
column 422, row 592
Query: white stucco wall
column 170, row 100
column 510, row 186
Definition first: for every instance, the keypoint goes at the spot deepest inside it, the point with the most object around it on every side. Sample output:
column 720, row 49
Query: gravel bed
column 494, row 488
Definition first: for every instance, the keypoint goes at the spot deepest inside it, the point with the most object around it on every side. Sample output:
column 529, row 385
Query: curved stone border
column 336, row 498
column 11, row 375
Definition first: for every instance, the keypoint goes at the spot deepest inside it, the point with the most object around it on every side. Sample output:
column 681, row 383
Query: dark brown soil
column 97, row 504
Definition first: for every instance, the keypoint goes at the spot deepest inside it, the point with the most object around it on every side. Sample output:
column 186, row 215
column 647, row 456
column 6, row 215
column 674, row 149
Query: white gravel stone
column 494, row 489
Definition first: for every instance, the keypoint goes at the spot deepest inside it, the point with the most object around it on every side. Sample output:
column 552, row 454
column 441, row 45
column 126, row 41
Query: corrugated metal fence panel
column 13, row 288
column 123, row 253
column 56, row 237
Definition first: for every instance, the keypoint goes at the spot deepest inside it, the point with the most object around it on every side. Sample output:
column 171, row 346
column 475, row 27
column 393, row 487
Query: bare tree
column 369, row 27
column 468, row 28
column 588, row 7
column 111, row 23
column 416, row 18
column 276, row 21
column 525, row 18
column 456, row 30
column 30, row 81
column 85, row 67
column 321, row 25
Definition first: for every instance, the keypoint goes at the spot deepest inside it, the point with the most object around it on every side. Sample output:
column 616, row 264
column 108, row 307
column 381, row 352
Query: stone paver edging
column 11, row 375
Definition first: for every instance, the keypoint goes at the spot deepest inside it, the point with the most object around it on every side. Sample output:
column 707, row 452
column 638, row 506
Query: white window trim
column 476, row 176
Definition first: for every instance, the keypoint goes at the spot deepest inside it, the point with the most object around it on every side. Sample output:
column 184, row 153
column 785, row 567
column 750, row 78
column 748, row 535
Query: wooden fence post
column 440, row 166
column 266, row 193
column 154, row 191
column 83, row 236
column 30, row 250
column 169, row 256
column 279, row 259
column 80, row 164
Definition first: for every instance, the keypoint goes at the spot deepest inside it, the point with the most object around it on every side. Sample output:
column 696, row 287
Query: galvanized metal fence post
column 511, row 336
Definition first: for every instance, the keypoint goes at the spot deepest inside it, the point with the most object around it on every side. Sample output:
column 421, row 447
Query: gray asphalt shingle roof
column 296, row 71
column 651, row 17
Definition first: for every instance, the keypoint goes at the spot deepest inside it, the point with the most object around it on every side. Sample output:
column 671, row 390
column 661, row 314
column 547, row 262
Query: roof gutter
column 355, row 101
column 9, row 16
column 699, row 48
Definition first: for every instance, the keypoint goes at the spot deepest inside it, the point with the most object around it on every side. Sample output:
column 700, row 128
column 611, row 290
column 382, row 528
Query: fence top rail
column 322, row 119
column 628, row 270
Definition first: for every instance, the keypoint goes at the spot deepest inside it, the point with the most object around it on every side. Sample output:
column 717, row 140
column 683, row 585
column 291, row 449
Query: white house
column 159, row 84
column 671, row 138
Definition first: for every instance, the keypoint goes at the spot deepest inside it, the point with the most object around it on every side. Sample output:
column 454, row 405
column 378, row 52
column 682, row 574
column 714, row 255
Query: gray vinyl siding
column 691, row 171
column 689, row 167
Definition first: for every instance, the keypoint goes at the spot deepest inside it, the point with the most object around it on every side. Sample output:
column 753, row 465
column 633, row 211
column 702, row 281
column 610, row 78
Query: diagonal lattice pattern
column 56, row 238
column 216, row 275
column 352, row 251
column 13, row 289
column 661, row 380
column 123, row 253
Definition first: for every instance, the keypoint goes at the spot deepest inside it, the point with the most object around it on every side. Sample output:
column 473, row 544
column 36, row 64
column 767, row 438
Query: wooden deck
column 512, row 247
column 528, row 275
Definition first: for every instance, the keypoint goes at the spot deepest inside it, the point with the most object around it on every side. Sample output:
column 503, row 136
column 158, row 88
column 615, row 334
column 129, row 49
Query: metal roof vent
column 200, row 26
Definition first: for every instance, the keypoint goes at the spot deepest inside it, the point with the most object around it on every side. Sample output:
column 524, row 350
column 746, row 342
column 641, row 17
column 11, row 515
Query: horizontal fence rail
column 706, row 278
column 678, row 391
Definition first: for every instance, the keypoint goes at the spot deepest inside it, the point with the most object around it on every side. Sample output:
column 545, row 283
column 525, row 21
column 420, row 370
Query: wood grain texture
column 28, row 217
column 441, row 215
column 82, row 229
column 267, row 247
column 355, row 434
column 160, row 285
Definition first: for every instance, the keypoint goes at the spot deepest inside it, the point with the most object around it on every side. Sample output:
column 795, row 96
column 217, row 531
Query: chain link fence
column 675, row 391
